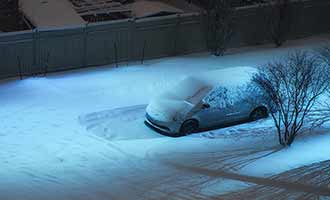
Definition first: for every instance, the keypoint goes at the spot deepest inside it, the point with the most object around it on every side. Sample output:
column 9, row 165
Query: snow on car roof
column 193, row 88
column 229, row 77
column 188, row 89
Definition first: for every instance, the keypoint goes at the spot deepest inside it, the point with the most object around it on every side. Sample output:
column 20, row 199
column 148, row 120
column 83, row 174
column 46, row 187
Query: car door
column 215, row 114
column 225, row 107
column 245, row 110
column 248, row 101
column 232, row 113
column 211, row 117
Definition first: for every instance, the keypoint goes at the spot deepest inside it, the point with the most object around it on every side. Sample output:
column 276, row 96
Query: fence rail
column 50, row 50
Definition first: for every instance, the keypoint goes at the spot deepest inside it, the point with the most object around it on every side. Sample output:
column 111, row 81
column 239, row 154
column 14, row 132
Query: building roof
column 143, row 8
column 87, row 7
column 50, row 13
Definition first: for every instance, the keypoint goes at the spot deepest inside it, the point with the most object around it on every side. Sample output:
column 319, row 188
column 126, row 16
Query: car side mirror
column 205, row 105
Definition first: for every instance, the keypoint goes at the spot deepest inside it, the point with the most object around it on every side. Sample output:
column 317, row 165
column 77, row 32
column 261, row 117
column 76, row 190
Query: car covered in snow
column 205, row 101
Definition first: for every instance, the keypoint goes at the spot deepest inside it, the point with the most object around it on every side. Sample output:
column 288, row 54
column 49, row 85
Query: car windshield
column 191, row 90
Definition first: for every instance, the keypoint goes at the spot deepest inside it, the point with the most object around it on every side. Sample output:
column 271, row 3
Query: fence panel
column 60, row 49
column 131, row 40
column 191, row 34
column 250, row 27
column 14, row 48
column 107, row 43
column 154, row 38
column 313, row 17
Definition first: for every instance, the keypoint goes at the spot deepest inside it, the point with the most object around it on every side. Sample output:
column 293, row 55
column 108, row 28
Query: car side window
column 219, row 97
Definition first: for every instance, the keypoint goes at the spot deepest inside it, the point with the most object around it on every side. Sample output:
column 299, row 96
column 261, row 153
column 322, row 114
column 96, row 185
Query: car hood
column 168, row 110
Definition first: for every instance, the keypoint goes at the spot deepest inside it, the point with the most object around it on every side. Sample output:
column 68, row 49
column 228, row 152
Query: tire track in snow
column 126, row 123
column 125, row 114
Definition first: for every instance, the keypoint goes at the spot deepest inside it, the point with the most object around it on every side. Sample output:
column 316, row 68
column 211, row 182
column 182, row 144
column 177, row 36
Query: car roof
column 228, row 77
column 196, row 87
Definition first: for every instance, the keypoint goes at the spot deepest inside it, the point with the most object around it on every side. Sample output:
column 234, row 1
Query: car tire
column 259, row 113
column 188, row 127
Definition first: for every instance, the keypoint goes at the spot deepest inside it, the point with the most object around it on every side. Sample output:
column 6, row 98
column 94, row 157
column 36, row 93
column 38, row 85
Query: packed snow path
column 79, row 135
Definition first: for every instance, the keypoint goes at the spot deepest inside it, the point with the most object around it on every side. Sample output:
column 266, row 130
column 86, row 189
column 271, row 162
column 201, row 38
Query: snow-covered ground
column 80, row 135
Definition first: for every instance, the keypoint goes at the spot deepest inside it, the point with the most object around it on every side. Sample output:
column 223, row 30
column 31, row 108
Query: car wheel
column 259, row 113
column 188, row 127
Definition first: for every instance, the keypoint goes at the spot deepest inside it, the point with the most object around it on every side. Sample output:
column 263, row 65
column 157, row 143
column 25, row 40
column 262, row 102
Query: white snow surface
column 80, row 134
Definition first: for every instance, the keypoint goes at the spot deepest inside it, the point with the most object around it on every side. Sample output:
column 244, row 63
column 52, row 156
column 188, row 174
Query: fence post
column 116, row 53
column 176, row 33
column 38, row 54
column 132, row 30
column 19, row 63
column 34, row 49
column 46, row 62
column 204, row 30
column 143, row 51
column 107, row 49
column 85, row 35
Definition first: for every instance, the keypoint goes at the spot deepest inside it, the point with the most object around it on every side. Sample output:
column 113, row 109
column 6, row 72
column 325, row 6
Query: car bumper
column 162, row 127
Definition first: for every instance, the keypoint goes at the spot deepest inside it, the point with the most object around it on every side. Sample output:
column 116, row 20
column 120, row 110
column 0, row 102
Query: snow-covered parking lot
column 80, row 135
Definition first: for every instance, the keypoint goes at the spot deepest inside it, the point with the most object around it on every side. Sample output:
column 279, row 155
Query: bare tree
column 292, row 85
column 221, row 20
column 324, row 54
column 321, row 114
column 279, row 20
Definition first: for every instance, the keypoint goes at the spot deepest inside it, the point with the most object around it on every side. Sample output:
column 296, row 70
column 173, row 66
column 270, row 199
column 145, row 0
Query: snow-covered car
column 209, row 100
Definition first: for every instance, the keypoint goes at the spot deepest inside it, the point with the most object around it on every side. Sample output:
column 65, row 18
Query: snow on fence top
column 50, row 13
